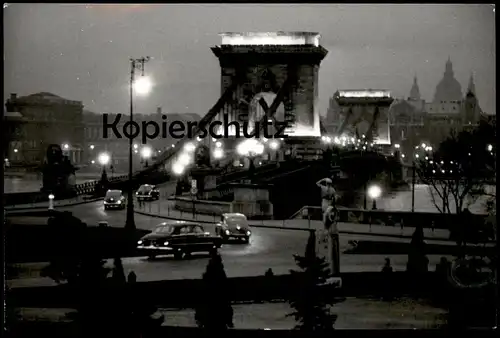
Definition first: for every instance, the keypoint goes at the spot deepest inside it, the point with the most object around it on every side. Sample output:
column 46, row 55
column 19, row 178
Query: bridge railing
column 388, row 218
column 87, row 188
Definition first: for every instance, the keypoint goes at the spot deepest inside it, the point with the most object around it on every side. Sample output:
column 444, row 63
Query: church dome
column 448, row 89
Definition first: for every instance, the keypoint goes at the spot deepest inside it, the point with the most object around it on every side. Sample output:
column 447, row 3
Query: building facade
column 118, row 148
column 46, row 119
column 415, row 121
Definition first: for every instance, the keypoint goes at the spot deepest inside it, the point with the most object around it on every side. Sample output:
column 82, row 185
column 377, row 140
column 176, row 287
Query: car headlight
column 248, row 233
column 228, row 232
column 139, row 242
column 105, row 202
column 119, row 202
column 166, row 243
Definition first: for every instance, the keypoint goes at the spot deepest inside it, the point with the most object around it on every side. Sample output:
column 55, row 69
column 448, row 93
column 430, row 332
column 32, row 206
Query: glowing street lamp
column 143, row 85
column 274, row 145
column 178, row 169
column 92, row 147
column 146, row 153
column 374, row 192
column 65, row 146
column 104, row 159
column 189, row 147
column 218, row 153
column 250, row 148
column 490, row 147
column 185, row 159
column 397, row 146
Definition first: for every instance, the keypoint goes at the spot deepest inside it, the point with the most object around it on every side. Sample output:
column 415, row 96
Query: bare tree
column 458, row 171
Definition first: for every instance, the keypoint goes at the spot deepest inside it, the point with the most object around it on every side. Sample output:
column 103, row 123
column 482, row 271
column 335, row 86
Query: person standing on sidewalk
column 327, row 192
column 332, row 231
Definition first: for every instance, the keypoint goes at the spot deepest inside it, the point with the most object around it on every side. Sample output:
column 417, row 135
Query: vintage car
column 233, row 226
column 178, row 238
column 147, row 192
column 114, row 199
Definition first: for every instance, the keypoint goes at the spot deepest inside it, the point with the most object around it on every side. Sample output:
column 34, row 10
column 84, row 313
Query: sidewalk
column 45, row 205
column 165, row 209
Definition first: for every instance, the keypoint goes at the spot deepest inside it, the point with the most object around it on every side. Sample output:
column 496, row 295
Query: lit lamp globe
column 374, row 192
column 146, row 152
column 274, row 145
column 143, row 85
column 189, row 147
column 184, row 159
column 178, row 168
column 258, row 148
column 104, row 159
column 242, row 148
column 218, row 153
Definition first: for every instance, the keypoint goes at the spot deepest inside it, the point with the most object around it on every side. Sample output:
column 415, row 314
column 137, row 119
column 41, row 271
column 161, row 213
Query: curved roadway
column 268, row 248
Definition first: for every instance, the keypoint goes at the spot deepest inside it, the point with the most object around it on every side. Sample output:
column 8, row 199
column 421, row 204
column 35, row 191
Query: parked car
column 147, row 192
column 233, row 225
column 114, row 199
column 178, row 238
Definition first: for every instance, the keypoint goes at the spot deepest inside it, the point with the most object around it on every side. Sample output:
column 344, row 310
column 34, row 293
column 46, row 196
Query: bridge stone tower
column 273, row 73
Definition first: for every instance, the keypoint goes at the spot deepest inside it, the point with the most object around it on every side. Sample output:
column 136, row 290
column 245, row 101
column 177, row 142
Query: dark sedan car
column 147, row 192
column 233, row 225
column 114, row 199
column 178, row 238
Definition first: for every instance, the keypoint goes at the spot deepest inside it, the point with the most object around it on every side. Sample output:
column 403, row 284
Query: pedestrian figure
column 387, row 266
column 387, row 287
column 330, row 223
column 132, row 277
column 327, row 192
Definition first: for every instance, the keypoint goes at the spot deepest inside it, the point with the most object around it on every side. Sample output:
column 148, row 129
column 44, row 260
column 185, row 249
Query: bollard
column 51, row 202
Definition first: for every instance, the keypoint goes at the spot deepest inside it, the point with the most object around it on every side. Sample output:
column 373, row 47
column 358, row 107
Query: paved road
column 268, row 248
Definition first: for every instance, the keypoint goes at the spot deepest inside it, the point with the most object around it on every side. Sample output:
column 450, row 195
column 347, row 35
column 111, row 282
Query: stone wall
column 202, row 207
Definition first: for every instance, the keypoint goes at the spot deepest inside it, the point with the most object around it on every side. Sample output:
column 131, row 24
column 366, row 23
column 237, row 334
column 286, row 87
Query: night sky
column 81, row 52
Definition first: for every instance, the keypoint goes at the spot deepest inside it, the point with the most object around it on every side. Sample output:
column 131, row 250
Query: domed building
column 448, row 89
column 414, row 121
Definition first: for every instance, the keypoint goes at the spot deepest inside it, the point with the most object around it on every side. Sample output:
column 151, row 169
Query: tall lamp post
column 142, row 87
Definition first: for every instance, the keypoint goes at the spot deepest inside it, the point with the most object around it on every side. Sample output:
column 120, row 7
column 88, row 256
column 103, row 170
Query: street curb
column 208, row 222
column 299, row 229
column 55, row 206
